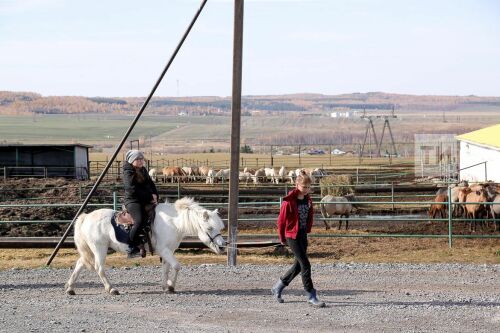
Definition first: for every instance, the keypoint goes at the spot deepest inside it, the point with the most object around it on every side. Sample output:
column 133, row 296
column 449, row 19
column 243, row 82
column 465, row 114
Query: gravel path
column 217, row 298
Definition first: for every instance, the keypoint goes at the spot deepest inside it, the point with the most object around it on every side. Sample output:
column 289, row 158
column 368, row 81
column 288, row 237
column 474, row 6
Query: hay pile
column 336, row 185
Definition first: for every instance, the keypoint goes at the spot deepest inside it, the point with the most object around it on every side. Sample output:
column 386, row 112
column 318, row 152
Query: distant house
column 337, row 151
column 480, row 154
column 344, row 114
column 45, row 160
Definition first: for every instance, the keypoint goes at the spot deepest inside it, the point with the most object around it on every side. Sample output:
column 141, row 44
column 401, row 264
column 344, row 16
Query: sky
column 118, row 48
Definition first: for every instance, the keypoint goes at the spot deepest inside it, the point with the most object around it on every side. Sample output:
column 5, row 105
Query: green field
column 76, row 128
column 172, row 134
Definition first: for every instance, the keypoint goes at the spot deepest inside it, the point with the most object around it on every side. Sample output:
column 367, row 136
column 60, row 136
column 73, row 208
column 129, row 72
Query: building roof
column 488, row 136
column 45, row 145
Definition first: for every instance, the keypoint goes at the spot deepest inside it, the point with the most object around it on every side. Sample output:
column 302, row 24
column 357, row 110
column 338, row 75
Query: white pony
column 94, row 234
column 342, row 206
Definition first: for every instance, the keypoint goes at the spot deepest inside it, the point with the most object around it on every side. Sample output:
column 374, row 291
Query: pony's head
column 206, row 224
column 210, row 232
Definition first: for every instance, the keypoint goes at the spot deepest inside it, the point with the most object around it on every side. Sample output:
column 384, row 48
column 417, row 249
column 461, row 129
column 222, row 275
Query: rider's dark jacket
column 135, row 190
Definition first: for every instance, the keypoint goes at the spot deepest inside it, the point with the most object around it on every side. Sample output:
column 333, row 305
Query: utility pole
column 235, row 132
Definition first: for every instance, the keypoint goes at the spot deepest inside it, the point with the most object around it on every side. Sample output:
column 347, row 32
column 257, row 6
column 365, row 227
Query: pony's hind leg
column 327, row 226
column 72, row 279
column 168, row 257
column 100, row 259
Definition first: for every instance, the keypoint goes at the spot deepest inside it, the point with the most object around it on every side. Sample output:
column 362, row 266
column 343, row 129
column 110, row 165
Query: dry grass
column 321, row 250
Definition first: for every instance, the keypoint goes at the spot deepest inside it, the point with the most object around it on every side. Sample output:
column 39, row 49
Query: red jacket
column 288, row 220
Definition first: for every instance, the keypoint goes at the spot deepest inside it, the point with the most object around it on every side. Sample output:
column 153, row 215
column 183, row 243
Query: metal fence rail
column 275, row 204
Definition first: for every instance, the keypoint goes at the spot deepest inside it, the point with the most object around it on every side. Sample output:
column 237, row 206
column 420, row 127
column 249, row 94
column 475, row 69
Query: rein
column 229, row 245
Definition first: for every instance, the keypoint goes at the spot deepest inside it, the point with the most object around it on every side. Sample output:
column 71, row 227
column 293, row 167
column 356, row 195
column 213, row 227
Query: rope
column 246, row 249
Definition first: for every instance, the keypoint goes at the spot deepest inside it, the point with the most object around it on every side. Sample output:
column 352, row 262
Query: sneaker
column 133, row 252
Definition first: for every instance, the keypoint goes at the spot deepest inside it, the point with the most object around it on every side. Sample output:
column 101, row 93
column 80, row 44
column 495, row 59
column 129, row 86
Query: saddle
column 124, row 221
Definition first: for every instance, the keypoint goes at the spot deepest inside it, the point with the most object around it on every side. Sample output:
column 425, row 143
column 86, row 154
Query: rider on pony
column 141, row 196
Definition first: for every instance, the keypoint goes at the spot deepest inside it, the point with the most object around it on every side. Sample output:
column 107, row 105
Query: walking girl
column 294, row 223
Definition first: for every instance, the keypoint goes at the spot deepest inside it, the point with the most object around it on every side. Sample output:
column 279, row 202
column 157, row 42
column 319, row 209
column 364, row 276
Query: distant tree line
column 27, row 103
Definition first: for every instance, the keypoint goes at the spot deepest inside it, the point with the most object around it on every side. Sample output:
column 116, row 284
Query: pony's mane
column 191, row 216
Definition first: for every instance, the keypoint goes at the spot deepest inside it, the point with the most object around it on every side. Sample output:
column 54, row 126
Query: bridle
column 214, row 237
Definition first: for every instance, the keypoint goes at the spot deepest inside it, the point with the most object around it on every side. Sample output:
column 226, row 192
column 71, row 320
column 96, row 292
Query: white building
column 345, row 114
column 480, row 155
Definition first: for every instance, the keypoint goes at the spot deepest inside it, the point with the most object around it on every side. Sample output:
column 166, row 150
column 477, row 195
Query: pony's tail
column 83, row 248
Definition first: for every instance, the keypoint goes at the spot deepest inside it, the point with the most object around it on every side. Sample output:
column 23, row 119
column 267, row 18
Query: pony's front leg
column 165, row 271
column 168, row 257
column 72, row 279
column 100, row 259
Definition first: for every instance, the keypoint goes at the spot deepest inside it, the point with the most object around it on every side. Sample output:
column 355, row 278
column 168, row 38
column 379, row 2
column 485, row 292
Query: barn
column 45, row 160
column 480, row 155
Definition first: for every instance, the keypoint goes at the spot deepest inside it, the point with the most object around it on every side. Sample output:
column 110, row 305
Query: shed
column 480, row 154
column 45, row 160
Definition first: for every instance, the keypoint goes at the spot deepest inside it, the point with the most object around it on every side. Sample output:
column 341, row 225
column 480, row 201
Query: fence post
column 299, row 157
column 286, row 189
column 4, row 173
column 450, row 227
column 45, row 173
column 114, row 200
column 178, row 187
column 272, row 162
column 330, row 154
column 485, row 171
column 357, row 175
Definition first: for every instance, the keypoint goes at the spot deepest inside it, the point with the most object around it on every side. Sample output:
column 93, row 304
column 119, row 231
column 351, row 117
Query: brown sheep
column 439, row 207
column 474, row 208
column 175, row 173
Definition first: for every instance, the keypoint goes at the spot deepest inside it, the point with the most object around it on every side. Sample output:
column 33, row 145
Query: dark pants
column 140, row 216
column 301, row 264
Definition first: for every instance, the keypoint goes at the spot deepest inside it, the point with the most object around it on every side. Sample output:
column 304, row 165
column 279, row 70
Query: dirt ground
column 218, row 298
column 321, row 250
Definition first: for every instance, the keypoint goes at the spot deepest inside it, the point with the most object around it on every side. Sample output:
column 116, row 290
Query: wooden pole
column 235, row 131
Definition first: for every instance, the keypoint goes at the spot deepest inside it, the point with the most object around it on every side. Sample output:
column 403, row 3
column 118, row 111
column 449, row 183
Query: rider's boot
column 133, row 251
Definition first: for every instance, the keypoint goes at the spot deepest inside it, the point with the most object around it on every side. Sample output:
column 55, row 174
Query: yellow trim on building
column 489, row 136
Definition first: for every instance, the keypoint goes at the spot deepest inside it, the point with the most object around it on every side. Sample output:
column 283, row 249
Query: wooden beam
column 235, row 132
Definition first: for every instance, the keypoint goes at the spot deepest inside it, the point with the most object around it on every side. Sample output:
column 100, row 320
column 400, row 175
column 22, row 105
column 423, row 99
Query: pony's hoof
column 171, row 289
column 114, row 292
column 70, row 292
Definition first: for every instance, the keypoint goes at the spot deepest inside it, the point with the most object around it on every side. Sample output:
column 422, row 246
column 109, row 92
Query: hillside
column 17, row 103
